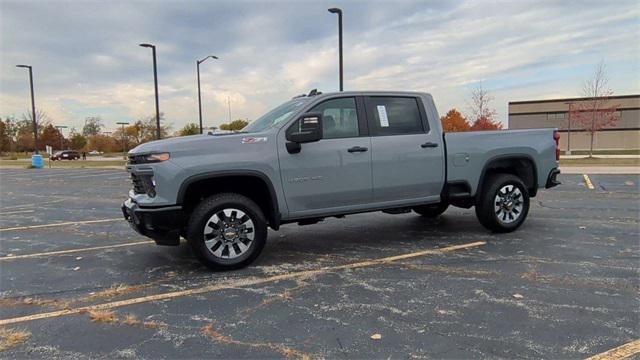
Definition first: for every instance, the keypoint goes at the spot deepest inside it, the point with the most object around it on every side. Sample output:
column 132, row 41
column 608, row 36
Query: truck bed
column 469, row 152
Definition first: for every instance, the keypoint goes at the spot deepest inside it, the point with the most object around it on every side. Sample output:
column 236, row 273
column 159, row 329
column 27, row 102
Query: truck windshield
column 275, row 116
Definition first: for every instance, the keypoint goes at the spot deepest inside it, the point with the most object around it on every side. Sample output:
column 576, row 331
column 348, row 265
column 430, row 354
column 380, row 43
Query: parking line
column 60, row 224
column 621, row 352
column 588, row 182
column 236, row 284
column 16, row 212
column 73, row 251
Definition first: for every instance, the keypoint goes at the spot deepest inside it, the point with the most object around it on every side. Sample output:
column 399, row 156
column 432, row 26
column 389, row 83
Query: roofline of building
column 572, row 99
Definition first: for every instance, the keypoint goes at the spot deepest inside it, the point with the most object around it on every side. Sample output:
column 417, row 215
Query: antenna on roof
column 314, row 92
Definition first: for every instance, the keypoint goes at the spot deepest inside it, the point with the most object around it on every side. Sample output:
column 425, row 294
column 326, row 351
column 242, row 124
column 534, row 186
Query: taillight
column 556, row 137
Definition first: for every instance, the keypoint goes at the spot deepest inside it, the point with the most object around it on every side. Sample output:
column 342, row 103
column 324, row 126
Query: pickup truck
column 330, row 155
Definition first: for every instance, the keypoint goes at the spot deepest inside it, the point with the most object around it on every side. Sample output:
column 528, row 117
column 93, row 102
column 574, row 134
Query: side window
column 339, row 118
column 394, row 115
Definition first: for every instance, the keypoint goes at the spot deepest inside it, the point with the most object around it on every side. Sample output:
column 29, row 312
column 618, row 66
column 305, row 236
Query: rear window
column 394, row 115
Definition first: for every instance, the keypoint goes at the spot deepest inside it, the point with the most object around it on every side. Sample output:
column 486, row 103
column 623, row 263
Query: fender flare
column 497, row 158
column 274, row 218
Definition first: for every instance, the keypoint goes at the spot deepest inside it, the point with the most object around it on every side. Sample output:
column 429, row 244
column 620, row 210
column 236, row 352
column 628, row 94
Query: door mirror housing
column 308, row 128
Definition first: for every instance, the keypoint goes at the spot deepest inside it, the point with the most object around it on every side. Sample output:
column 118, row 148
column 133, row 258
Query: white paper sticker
column 382, row 115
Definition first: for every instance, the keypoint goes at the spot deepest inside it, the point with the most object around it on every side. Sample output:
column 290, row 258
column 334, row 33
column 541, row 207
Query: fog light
column 151, row 192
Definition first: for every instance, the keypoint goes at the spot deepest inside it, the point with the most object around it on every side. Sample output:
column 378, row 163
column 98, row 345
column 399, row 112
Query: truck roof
column 366, row 93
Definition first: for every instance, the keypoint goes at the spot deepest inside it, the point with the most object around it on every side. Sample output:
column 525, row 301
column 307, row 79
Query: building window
column 555, row 116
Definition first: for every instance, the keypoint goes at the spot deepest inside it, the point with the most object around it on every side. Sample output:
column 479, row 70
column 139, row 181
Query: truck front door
column 407, row 156
column 332, row 173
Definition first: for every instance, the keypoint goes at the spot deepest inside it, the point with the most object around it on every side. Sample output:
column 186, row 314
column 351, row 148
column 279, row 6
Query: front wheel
column 227, row 231
column 503, row 204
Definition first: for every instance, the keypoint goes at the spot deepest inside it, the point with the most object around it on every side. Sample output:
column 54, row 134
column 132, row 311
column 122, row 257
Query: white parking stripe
column 60, row 224
column 73, row 251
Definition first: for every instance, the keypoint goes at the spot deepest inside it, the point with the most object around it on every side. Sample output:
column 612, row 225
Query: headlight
column 148, row 158
column 158, row 157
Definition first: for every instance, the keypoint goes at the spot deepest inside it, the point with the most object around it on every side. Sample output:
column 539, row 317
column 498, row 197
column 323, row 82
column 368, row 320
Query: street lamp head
column 335, row 10
column 122, row 123
column 24, row 66
column 210, row 56
column 147, row 45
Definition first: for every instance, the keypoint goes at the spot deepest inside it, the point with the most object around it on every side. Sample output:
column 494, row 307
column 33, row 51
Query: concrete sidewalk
column 580, row 169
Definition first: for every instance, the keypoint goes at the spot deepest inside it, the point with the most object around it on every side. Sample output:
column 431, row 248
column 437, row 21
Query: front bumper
column 551, row 179
column 163, row 225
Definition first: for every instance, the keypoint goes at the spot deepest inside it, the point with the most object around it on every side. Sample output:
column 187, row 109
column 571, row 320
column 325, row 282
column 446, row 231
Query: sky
column 87, row 61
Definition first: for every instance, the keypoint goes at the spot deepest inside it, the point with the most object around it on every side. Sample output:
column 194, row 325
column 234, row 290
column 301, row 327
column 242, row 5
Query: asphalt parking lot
column 77, row 282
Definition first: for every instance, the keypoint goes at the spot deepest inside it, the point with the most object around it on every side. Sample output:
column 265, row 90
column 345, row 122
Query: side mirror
column 308, row 128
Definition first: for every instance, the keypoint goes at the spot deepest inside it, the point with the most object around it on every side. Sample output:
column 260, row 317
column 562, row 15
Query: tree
column 102, row 143
column 53, row 137
column 77, row 141
column 92, row 126
column 596, row 112
column 482, row 112
column 235, row 125
column 5, row 139
column 8, row 134
column 454, row 122
column 24, row 131
column 484, row 123
column 189, row 129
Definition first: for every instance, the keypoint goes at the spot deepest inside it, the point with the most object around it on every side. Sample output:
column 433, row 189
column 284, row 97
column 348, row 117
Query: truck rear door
column 407, row 156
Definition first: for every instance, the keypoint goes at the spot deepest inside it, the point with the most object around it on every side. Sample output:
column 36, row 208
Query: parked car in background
column 95, row 152
column 331, row 155
column 66, row 155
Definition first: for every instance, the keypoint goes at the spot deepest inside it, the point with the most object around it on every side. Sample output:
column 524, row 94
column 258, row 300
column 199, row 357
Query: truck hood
column 194, row 143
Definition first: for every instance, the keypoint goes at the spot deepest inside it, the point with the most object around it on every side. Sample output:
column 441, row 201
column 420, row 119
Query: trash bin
column 36, row 161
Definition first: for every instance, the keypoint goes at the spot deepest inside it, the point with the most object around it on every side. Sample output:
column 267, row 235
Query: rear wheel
column 227, row 231
column 503, row 204
column 431, row 211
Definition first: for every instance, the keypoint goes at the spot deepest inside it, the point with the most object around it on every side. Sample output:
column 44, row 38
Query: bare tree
column 482, row 114
column 595, row 112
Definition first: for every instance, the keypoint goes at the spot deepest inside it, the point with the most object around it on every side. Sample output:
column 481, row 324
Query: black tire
column 431, row 211
column 199, row 221
column 503, row 220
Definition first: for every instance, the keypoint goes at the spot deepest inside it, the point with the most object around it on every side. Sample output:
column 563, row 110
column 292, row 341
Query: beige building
column 624, row 135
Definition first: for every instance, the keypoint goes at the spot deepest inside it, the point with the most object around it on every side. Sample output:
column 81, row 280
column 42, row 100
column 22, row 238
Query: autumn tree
column 235, row 125
column 453, row 121
column 481, row 111
column 77, row 141
column 596, row 112
column 484, row 123
column 189, row 129
column 8, row 134
column 102, row 143
column 52, row 136
column 24, row 131
column 92, row 126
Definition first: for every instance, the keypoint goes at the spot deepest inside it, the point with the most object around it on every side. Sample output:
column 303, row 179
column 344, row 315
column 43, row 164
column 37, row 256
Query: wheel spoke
column 216, row 246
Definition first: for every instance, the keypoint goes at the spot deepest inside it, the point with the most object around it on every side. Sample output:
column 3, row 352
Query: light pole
column 339, row 12
column 60, row 127
column 155, row 81
column 568, row 152
column 33, row 107
column 124, row 151
column 198, row 62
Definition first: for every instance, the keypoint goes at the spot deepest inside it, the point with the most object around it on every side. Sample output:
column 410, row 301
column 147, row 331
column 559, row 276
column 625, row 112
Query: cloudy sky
column 87, row 61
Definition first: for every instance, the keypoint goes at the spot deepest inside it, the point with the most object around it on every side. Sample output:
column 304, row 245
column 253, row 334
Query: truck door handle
column 429, row 145
column 357, row 149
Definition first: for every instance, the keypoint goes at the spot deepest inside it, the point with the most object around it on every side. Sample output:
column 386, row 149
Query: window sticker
column 382, row 115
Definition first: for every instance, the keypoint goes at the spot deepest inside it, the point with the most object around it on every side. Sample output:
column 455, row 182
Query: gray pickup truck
column 329, row 155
